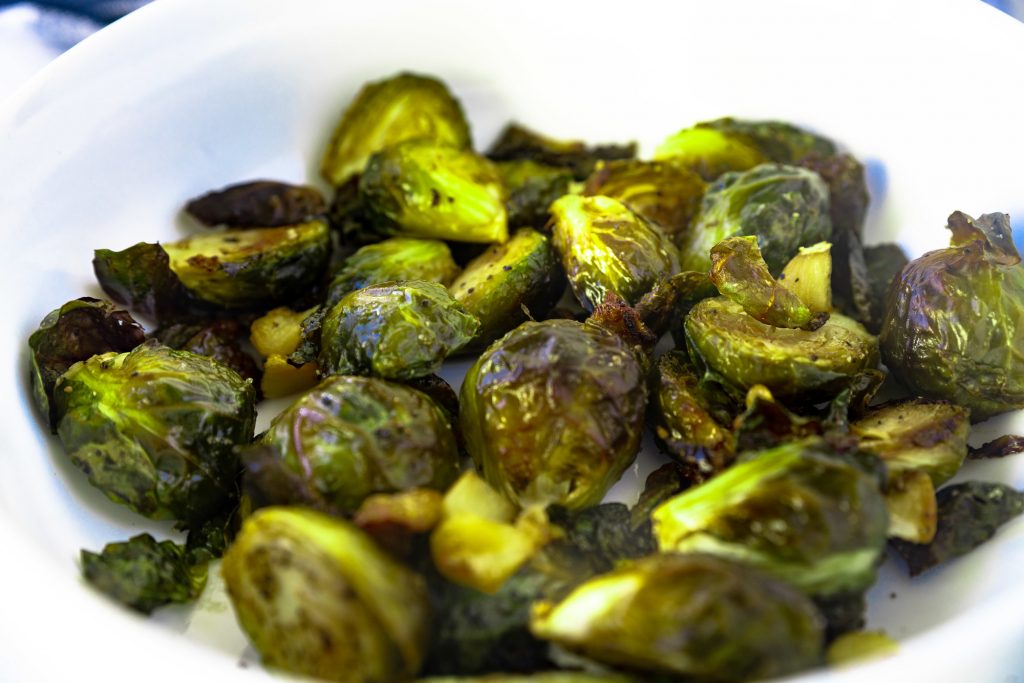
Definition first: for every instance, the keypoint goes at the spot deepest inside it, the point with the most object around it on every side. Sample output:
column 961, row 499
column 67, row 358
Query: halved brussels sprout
column 397, row 258
column 353, row 436
column 741, row 275
column 691, row 615
column 532, row 188
column 956, row 319
column 396, row 330
column 606, row 248
column 386, row 112
column 785, row 207
column 241, row 269
column 76, row 331
column 684, row 421
column 516, row 142
column 553, row 412
column 155, row 429
column 797, row 365
column 426, row 189
column 797, row 511
column 316, row 596
column 664, row 193
column 498, row 285
column 930, row 436
column 709, row 152
column 258, row 203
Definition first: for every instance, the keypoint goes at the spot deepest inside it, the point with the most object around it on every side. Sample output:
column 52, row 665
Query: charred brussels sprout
column 259, row 203
column 606, row 248
column 75, row 332
column 426, row 189
column 796, row 365
column 353, row 436
column 685, row 422
column 532, row 188
column 316, row 596
column 397, row 330
column 155, row 429
column 242, row 269
column 397, row 258
column 778, row 141
column 666, row 194
column 144, row 574
column 390, row 111
column 499, row 284
column 955, row 320
column 785, row 207
column 519, row 143
column 691, row 615
column 553, row 412
column 797, row 511
column 930, row 436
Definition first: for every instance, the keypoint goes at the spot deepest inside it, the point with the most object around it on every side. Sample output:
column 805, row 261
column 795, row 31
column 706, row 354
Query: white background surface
column 115, row 135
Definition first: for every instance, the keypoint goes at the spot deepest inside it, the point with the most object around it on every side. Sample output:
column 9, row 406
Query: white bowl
column 105, row 145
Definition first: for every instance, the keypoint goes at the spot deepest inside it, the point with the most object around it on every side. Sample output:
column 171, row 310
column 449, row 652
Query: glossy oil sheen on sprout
column 553, row 412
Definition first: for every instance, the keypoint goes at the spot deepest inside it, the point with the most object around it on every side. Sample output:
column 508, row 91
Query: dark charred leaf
column 1010, row 444
column 970, row 514
column 766, row 423
column 263, row 203
column 144, row 574
column 518, row 142
column 222, row 340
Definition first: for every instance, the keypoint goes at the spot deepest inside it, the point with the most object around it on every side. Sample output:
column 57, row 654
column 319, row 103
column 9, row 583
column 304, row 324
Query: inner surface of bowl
column 102, row 150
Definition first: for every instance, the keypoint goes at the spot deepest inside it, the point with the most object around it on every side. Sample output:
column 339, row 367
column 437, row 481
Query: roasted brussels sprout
column 685, row 422
column 740, row 274
column 666, row 194
column 778, row 141
column 930, row 436
column 258, row 203
column 143, row 574
column 353, row 436
column 785, row 207
column 397, row 258
column 606, row 248
column 519, row 143
column 316, row 596
column 396, row 330
column 155, row 429
column 797, row 365
column 76, row 331
column 241, row 269
column 509, row 282
column 386, row 112
column 709, row 152
column 970, row 513
column 691, row 615
column 956, row 317
column 798, row 511
column 532, row 188
column 425, row 189
column 553, row 412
